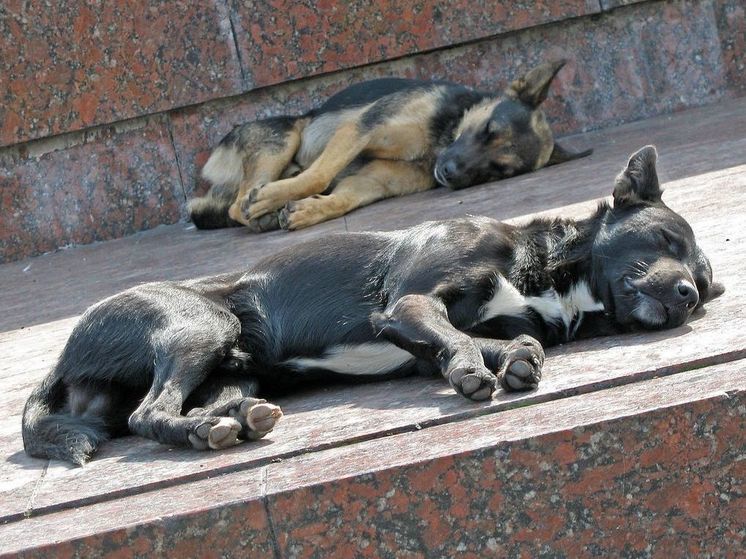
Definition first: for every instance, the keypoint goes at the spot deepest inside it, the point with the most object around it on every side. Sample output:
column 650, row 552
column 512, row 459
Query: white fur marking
column 507, row 300
column 225, row 166
column 363, row 359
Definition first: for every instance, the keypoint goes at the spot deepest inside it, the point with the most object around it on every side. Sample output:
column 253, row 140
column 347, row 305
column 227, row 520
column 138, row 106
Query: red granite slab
column 664, row 450
column 731, row 21
column 611, row 4
column 179, row 521
column 282, row 40
column 71, row 64
column 113, row 184
column 649, row 470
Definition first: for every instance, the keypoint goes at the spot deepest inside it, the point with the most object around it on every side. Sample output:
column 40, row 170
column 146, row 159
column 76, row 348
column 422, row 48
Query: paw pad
column 473, row 383
column 522, row 367
column 261, row 417
column 222, row 433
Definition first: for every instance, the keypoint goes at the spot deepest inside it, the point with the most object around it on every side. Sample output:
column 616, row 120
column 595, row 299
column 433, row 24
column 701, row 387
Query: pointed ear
column 716, row 290
column 638, row 182
column 560, row 155
column 532, row 88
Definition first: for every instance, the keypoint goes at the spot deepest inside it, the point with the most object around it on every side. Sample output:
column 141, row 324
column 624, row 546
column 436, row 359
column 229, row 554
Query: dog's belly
column 375, row 358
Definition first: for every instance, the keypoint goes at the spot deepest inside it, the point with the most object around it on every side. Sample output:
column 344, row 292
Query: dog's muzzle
column 667, row 308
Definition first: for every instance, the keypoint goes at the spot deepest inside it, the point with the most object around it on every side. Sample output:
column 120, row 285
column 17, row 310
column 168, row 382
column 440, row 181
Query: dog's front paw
column 262, row 200
column 521, row 368
column 473, row 381
column 301, row 213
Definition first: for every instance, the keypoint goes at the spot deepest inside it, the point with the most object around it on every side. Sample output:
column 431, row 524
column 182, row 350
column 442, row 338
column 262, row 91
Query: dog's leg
column 185, row 356
column 344, row 146
column 235, row 398
column 271, row 154
column 377, row 180
column 516, row 363
column 420, row 325
column 248, row 156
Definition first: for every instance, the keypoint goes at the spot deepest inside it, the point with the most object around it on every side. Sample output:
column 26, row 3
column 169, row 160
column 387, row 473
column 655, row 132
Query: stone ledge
column 643, row 468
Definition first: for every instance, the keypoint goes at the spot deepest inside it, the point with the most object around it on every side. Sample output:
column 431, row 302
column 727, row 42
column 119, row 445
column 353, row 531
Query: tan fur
column 343, row 147
column 266, row 166
column 405, row 136
column 377, row 180
column 476, row 116
column 319, row 131
column 541, row 128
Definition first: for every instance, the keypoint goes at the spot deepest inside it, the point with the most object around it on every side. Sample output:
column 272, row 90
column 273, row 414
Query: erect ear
column 638, row 182
column 560, row 155
column 532, row 88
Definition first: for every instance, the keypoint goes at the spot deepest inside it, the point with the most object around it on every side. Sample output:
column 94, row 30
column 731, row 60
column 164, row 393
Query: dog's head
column 504, row 136
column 646, row 262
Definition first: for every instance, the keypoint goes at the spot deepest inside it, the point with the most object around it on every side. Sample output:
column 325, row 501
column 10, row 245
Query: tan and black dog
column 375, row 140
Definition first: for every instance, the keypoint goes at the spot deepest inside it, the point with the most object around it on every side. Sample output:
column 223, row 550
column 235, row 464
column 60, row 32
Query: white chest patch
column 508, row 301
column 364, row 359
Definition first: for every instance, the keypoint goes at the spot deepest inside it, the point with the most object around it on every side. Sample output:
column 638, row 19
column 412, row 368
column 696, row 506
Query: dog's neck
column 554, row 254
column 554, row 257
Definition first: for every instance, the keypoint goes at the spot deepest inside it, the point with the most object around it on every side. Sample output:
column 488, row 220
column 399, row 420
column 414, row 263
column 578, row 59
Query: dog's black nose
column 449, row 169
column 687, row 294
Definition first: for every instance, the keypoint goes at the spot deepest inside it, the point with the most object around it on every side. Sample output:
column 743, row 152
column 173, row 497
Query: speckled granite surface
column 731, row 20
column 116, row 183
column 288, row 39
column 661, row 484
column 72, row 64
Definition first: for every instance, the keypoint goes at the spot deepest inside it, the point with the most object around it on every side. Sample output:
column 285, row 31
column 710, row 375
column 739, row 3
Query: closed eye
column 674, row 243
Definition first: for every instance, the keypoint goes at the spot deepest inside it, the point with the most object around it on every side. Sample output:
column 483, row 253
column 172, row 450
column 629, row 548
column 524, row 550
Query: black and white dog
column 473, row 298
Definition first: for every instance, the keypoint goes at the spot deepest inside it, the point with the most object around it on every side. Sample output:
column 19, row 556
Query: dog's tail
column 48, row 432
column 224, row 170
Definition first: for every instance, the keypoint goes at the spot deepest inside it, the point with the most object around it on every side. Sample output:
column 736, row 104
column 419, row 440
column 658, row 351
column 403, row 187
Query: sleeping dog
column 471, row 298
column 373, row 140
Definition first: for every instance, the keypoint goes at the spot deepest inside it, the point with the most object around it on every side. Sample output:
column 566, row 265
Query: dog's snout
column 449, row 169
column 687, row 294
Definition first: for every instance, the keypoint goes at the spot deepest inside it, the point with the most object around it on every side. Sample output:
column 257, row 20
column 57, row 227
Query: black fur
column 172, row 358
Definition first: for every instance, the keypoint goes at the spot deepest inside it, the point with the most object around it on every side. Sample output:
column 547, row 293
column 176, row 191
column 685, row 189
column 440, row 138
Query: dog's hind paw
column 260, row 418
column 268, row 222
column 476, row 383
column 521, row 369
column 216, row 433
